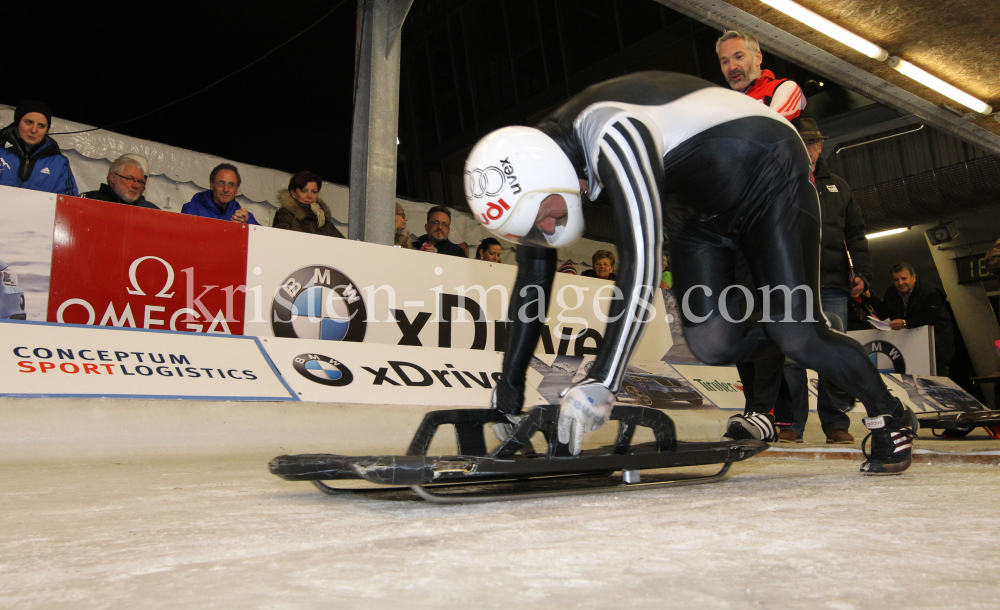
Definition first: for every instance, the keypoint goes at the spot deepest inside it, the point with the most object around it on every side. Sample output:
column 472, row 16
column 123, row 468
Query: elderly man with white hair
column 126, row 183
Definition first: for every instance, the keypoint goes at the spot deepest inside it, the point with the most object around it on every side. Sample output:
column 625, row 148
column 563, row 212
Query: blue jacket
column 45, row 169
column 202, row 205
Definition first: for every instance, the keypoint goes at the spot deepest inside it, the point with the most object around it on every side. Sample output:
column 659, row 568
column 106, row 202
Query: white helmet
column 507, row 176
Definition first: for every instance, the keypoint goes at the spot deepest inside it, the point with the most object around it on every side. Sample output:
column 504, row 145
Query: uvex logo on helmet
column 509, row 173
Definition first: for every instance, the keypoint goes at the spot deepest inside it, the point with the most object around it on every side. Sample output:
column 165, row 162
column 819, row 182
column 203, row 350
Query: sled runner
column 955, row 424
column 514, row 469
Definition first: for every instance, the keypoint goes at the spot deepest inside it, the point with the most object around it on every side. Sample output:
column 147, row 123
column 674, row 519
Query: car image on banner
column 658, row 391
column 11, row 297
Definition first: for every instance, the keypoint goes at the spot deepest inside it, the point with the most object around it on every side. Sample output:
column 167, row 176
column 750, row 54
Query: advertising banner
column 646, row 383
column 924, row 393
column 719, row 384
column 118, row 265
column 25, row 252
column 908, row 351
column 313, row 287
column 39, row 359
column 349, row 372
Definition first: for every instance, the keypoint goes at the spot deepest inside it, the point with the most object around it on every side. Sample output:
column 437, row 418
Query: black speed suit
column 727, row 173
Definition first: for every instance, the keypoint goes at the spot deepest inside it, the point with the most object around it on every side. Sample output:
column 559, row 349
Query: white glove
column 585, row 408
column 501, row 430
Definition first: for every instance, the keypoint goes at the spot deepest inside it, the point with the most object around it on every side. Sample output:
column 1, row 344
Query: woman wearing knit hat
column 29, row 158
column 301, row 208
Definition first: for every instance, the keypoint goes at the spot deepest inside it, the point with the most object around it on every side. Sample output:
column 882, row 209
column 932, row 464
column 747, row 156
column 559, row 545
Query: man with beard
column 740, row 58
column 126, row 184
column 438, row 229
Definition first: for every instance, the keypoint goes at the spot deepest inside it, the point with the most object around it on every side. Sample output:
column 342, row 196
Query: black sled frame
column 956, row 424
column 514, row 470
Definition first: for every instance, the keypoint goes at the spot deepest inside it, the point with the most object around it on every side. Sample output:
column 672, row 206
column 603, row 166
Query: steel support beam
column 726, row 16
column 376, row 121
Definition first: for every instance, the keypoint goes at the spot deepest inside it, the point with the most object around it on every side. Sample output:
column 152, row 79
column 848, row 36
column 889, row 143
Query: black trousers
column 754, row 194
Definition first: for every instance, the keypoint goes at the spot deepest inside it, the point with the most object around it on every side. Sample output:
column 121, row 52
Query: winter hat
column 567, row 267
column 27, row 106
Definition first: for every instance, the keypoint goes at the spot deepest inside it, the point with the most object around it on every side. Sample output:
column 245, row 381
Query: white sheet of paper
column 879, row 324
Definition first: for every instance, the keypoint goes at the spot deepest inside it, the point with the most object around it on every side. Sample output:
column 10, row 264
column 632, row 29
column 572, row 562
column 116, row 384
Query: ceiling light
column 907, row 69
column 884, row 233
column 829, row 28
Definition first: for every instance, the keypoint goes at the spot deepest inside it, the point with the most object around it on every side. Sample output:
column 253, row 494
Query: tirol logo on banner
column 115, row 265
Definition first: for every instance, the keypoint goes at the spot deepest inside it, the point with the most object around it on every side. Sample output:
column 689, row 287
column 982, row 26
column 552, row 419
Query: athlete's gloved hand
column 585, row 408
column 503, row 430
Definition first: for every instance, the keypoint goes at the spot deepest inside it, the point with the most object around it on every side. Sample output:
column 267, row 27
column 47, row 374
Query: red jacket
column 782, row 95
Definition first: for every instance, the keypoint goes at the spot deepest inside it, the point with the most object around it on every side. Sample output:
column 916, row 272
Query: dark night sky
column 105, row 62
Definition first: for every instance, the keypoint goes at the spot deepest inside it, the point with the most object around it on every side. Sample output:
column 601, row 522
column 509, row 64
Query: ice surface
column 780, row 533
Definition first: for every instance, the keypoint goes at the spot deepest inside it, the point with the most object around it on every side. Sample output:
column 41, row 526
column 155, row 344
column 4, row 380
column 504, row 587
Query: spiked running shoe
column 756, row 426
column 891, row 443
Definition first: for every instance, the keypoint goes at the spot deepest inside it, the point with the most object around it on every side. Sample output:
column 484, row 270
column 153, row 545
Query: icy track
column 226, row 534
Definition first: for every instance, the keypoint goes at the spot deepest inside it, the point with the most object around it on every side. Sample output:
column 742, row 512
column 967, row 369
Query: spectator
column 436, row 239
column 219, row 202
column 740, row 59
column 567, row 267
column 667, row 279
column 489, row 250
column 125, row 184
column 402, row 233
column 845, row 272
column 911, row 303
column 603, row 266
column 860, row 308
column 29, row 157
column 302, row 210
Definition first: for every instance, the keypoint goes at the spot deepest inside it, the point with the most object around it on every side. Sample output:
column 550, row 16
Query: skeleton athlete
column 721, row 172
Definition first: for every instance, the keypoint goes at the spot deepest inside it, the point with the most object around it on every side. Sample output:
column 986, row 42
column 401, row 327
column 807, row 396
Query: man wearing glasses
column 436, row 239
column 219, row 202
column 126, row 184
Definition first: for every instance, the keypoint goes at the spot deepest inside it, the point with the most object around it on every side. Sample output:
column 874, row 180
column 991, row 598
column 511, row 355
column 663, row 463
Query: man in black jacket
column 845, row 271
column 911, row 303
column 438, row 228
column 126, row 184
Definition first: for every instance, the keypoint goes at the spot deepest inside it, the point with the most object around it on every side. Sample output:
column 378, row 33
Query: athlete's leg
column 705, row 282
column 782, row 248
column 535, row 272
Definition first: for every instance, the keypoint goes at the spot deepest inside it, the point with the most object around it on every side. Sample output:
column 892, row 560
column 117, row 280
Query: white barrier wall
column 40, row 359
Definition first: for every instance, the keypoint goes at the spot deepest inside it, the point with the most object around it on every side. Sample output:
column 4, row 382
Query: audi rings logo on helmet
column 484, row 182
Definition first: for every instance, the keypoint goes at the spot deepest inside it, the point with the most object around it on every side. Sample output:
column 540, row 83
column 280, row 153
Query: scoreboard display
column 972, row 269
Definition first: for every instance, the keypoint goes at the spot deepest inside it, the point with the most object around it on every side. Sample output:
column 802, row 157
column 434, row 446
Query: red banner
column 119, row 265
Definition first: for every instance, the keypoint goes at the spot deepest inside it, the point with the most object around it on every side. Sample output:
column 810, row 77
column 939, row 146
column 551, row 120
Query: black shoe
column 892, row 439
column 753, row 426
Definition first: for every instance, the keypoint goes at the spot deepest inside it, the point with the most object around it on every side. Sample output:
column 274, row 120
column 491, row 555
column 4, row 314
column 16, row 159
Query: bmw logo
column 318, row 302
column 886, row 356
column 322, row 369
